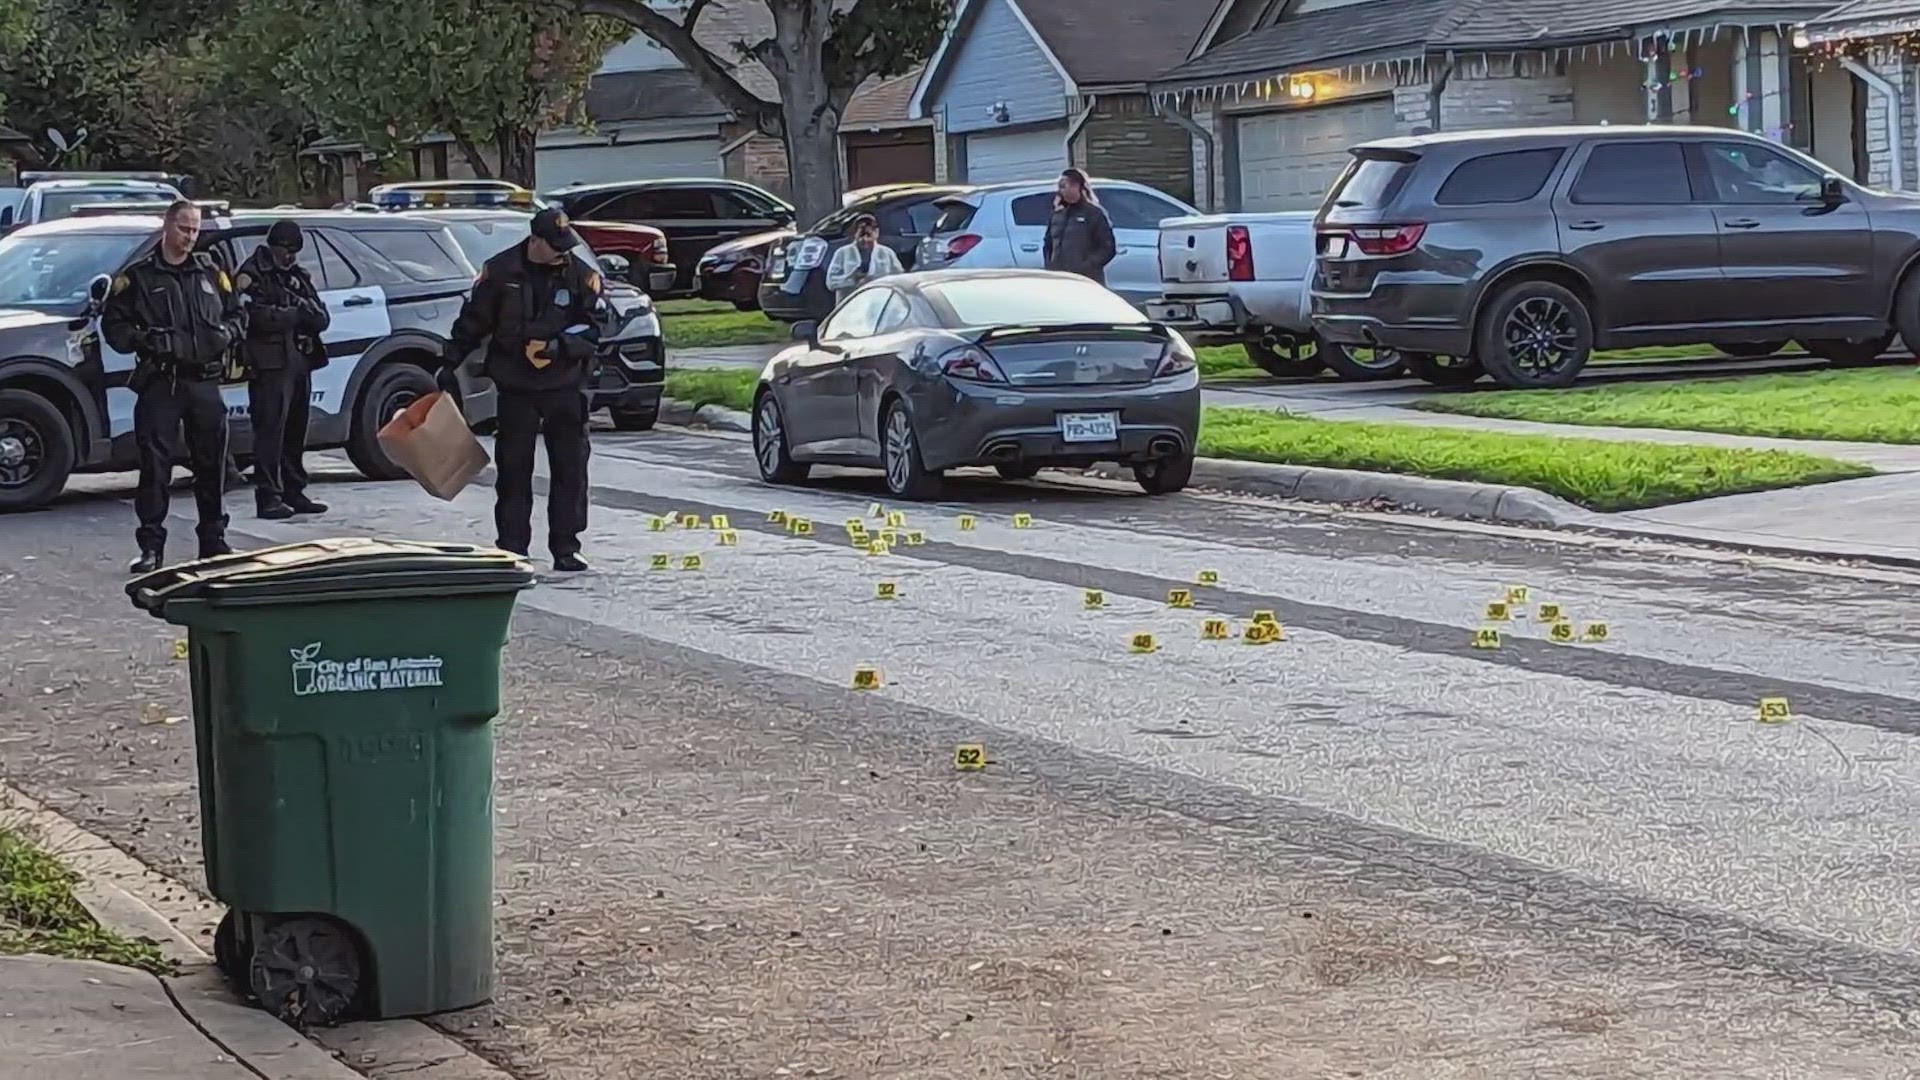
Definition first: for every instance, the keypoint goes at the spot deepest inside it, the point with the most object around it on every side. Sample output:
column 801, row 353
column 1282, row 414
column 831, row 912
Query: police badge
column 562, row 297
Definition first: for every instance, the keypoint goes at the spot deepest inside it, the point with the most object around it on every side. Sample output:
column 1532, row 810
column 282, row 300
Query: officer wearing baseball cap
column 538, row 308
column 282, row 349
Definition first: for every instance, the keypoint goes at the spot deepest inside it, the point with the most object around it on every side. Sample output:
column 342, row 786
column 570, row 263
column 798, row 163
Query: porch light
column 1800, row 39
column 1301, row 89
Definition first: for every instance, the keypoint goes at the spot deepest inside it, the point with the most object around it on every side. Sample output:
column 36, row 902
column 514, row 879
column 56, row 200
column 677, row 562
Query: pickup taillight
column 1239, row 254
column 657, row 253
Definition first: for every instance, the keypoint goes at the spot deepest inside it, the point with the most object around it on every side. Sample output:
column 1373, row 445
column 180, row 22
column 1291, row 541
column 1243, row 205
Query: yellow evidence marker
column 967, row 522
column 1215, row 630
column 878, row 547
column 1180, row 598
column 658, row 524
column 1518, row 595
column 1594, row 631
column 1023, row 521
column 179, row 648
column 886, row 590
column 1093, row 599
column 1264, row 633
column 1265, row 617
column 897, row 519
column 729, row 538
column 691, row 562
column 1143, row 643
column 1499, row 611
column 1774, row 710
column 800, row 526
column 1486, row 638
column 916, row 538
column 855, row 524
column 1209, row 577
column 1550, row 613
column 1561, row 633
column 776, row 517
column 970, row 757
column 891, row 536
column 689, row 521
column 866, row 678
column 875, row 510
column 721, row 522
column 660, row 561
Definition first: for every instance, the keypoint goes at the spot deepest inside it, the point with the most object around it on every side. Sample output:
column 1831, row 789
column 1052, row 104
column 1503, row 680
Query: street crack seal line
column 1862, row 708
column 1280, row 836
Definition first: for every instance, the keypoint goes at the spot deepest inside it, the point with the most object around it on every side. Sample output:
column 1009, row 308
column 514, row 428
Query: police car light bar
column 35, row 176
column 415, row 199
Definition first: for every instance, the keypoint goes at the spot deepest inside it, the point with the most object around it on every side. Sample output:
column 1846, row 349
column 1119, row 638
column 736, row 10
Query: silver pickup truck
column 1246, row 279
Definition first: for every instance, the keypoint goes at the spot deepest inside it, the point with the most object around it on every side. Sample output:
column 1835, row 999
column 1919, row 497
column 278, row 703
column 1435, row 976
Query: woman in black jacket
column 1079, row 236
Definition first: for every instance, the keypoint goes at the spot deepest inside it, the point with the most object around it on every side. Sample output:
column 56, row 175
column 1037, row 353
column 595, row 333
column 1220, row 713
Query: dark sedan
column 1018, row 369
column 794, row 284
column 730, row 272
column 695, row 214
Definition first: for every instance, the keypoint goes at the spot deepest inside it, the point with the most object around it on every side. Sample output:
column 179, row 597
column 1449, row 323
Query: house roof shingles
column 1861, row 12
column 1546, row 23
column 883, row 103
column 1106, row 42
column 1318, row 37
column 660, row 94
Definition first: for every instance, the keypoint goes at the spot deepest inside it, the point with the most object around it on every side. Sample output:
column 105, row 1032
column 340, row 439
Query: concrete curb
column 1500, row 503
column 126, row 896
column 717, row 417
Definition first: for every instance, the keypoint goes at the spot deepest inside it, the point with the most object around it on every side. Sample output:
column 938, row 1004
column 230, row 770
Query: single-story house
column 1019, row 89
column 1281, row 89
column 1876, row 42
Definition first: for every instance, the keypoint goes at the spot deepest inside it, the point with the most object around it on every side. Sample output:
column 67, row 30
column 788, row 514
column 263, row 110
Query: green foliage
column 40, row 914
column 871, row 39
column 386, row 73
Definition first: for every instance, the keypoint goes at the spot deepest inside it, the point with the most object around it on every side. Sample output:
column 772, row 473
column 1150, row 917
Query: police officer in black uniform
column 176, row 312
column 285, row 318
column 542, row 308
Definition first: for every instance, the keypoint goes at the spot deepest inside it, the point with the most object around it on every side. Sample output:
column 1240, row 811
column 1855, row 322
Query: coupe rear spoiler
column 1149, row 329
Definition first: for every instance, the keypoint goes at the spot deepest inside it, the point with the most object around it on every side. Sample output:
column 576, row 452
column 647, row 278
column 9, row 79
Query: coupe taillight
column 960, row 245
column 1239, row 254
column 1178, row 359
column 1386, row 240
column 972, row 363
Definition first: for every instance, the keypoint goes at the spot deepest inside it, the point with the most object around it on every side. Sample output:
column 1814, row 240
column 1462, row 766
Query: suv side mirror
column 807, row 331
column 97, row 291
column 1831, row 192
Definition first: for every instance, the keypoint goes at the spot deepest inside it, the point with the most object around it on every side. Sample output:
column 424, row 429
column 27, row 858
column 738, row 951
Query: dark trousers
column 525, row 416
column 280, row 402
column 160, row 413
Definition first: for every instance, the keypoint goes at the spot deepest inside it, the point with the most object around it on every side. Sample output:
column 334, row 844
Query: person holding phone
column 864, row 260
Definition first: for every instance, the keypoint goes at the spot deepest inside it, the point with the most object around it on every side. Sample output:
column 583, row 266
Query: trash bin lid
column 300, row 573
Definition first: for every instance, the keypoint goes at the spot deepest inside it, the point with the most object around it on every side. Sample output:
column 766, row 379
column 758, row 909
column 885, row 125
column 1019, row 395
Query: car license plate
column 1089, row 427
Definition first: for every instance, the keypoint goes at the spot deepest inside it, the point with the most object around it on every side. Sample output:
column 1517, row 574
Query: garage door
column 1034, row 154
column 560, row 166
column 1289, row 159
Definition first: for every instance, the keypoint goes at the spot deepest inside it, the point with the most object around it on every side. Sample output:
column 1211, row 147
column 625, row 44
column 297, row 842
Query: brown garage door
column 891, row 162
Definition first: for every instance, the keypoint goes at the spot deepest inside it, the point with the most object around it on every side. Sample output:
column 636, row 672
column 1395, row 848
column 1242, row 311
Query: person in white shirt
column 864, row 260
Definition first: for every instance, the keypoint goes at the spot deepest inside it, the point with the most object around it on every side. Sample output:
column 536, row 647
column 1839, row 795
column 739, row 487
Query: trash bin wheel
column 226, row 948
column 306, row 971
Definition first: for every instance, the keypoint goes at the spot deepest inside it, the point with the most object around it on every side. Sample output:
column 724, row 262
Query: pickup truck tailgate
column 1193, row 250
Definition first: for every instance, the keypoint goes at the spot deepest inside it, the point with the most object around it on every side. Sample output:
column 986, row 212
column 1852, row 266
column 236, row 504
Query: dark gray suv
column 1516, row 254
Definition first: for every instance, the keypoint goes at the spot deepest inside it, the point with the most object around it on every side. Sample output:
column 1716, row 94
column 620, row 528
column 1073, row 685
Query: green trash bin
column 343, row 693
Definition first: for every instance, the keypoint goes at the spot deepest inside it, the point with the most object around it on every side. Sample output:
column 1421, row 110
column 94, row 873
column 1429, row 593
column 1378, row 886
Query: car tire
column 1441, row 369
column 633, row 419
column 37, row 450
column 1850, row 352
column 1360, row 363
column 907, row 474
column 1535, row 335
column 770, row 447
column 1750, row 350
column 1286, row 355
column 392, row 388
column 1165, row 476
column 1021, row 471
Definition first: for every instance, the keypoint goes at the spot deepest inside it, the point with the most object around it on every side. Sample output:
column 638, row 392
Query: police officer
column 285, row 317
column 541, row 306
column 176, row 312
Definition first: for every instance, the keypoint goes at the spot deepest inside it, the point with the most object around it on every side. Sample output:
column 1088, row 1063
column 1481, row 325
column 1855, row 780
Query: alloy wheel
column 899, row 450
column 767, row 435
column 1373, row 358
column 22, row 452
column 1540, row 334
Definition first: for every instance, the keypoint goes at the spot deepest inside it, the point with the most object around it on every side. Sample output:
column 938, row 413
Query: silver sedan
column 1018, row 369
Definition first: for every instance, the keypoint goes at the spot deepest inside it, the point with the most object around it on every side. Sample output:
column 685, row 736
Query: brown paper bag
column 432, row 441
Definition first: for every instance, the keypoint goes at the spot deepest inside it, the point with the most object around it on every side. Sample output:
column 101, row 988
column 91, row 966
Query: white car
column 1005, row 226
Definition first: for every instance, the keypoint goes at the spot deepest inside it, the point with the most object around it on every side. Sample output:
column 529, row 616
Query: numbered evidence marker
column 878, row 547
column 1561, row 633
column 800, row 526
column 916, row 538
column 867, row 678
column 660, row 561
column 970, row 757
column 1265, row 617
column 1594, row 632
column 1774, row 710
column 180, row 648
column 875, row 510
column 1180, row 598
column 896, row 519
column 1143, row 643
column 886, row 590
column 1209, row 577
column 776, row 517
column 729, row 538
column 721, row 522
column 1215, row 630
column 689, row 521
column 1518, row 595
column 1550, row 613
column 1264, row 633
column 691, row 562
column 658, row 524
column 1093, row 599
column 1486, row 638
column 967, row 522
column 1023, row 521
column 1499, row 611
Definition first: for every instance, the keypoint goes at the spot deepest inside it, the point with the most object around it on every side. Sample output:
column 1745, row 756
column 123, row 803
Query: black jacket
column 285, row 315
column 179, row 321
column 1080, row 240
column 526, row 309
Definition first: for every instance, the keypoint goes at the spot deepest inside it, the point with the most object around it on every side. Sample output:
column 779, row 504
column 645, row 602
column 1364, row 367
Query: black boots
column 274, row 511
column 300, row 504
column 569, row 564
column 151, row 559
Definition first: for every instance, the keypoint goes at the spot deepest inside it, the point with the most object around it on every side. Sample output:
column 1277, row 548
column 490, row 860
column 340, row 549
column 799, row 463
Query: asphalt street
column 1368, row 850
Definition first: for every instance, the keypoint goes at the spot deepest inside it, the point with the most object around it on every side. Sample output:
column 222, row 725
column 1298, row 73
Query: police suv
column 392, row 284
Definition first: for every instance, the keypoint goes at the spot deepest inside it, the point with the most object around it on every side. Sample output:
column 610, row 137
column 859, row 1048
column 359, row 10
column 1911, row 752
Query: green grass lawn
column 694, row 324
column 731, row 387
column 1867, row 405
column 1606, row 476
column 39, row 913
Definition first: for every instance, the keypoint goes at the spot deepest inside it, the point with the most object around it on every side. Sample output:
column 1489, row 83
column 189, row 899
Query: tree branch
column 678, row 39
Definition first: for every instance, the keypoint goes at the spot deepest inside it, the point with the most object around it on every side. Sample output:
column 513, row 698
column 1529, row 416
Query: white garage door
column 999, row 156
column 1289, row 159
column 560, row 166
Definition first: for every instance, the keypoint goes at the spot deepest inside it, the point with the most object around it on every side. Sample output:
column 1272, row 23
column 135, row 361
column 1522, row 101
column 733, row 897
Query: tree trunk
column 809, row 108
column 475, row 159
column 813, row 159
column 516, row 156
